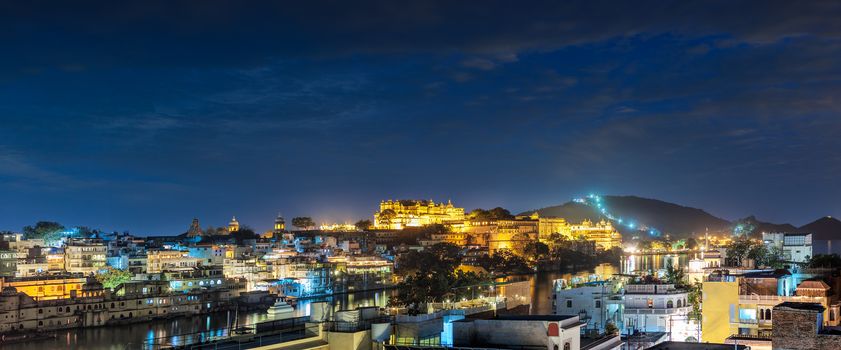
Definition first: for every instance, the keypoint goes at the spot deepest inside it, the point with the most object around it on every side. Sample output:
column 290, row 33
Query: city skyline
column 143, row 117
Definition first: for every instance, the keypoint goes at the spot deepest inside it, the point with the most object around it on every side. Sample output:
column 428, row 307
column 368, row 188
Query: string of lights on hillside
column 596, row 202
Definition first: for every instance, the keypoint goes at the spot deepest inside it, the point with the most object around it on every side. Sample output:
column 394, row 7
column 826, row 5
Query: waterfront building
column 84, row 256
column 795, row 247
column 361, row 272
column 46, row 287
column 603, row 233
column 547, row 226
column 91, row 306
column 396, row 215
column 511, row 232
column 659, row 307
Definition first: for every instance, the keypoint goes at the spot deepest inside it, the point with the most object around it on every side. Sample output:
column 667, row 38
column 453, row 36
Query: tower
column 195, row 229
column 233, row 226
column 279, row 225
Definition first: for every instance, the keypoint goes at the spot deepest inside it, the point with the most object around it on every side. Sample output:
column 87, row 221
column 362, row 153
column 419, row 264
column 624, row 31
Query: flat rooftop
column 533, row 317
column 677, row 345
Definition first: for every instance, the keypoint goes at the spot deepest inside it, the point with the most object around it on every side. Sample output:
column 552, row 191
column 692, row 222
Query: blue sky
column 142, row 116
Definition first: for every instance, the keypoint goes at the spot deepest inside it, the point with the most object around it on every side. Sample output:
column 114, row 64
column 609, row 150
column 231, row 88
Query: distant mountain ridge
column 677, row 220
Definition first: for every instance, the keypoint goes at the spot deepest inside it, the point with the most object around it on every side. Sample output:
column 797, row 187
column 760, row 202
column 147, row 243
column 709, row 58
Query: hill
column 755, row 227
column 677, row 220
column 826, row 227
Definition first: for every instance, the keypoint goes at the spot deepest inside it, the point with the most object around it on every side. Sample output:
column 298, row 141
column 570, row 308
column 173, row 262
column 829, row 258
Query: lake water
column 190, row 329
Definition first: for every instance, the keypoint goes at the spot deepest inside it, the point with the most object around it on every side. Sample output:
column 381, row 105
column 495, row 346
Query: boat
column 281, row 310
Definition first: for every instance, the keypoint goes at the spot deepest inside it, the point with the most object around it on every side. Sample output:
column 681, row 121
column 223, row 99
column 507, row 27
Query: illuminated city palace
column 398, row 214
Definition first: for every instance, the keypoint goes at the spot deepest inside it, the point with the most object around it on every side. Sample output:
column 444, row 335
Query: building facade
column 400, row 214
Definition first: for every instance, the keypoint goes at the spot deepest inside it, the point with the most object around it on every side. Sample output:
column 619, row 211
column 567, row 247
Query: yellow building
column 399, row 214
column 548, row 226
column 511, row 232
column 47, row 288
column 721, row 300
column 603, row 233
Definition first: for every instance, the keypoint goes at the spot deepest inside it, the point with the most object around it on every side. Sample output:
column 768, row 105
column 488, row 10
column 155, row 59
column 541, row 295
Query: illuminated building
column 84, row 256
column 338, row 227
column 511, row 232
column 47, row 287
column 361, row 272
column 603, row 233
column 279, row 226
column 399, row 214
column 233, row 226
column 158, row 261
column 548, row 226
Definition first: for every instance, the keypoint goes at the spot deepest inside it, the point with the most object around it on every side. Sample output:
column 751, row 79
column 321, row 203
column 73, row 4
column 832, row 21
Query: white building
column 595, row 303
column 796, row 247
column 658, row 308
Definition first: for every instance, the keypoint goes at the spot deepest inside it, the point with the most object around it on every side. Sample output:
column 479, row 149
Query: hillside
column 677, row 220
column 826, row 227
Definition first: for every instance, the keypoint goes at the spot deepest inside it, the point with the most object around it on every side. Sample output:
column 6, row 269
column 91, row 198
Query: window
column 670, row 304
column 768, row 314
column 569, row 303
column 598, row 304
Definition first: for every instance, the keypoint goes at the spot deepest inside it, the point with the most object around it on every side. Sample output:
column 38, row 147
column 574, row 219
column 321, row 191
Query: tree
column 695, row 299
column 303, row 222
column 243, row 234
column 519, row 242
column 430, row 276
column 113, row 278
column 363, row 225
column 497, row 213
column 49, row 231
column 691, row 243
column 738, row 250
column 675, row 275
column 536, row 251
column 825, row 261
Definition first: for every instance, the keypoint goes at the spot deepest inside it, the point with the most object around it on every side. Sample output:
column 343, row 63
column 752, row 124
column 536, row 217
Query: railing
column 343, row 326
column 781, row 298
column 244, row 336
column 744, row 321
column 647, row 311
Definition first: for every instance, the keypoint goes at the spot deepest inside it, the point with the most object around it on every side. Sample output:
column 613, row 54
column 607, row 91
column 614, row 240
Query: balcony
column 647, row 311
column 776, row 299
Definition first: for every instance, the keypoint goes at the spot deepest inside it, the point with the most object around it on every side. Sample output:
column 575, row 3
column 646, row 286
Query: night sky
column 142, row 116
